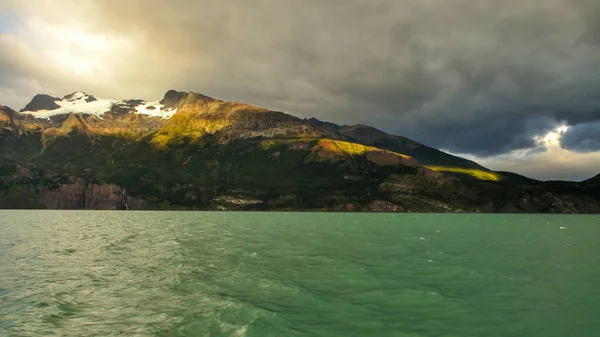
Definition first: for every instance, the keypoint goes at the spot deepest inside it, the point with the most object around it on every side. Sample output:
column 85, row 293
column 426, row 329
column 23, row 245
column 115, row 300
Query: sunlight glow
column 552, row 138
column 74, row 51
column 547, row 161
column 79, row 50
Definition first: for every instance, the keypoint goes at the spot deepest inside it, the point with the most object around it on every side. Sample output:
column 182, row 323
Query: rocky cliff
column 82, row 194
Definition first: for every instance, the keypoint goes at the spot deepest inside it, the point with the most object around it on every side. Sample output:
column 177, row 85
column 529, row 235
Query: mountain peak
column 47, row 102
column 7, row 110
column 42, row 102
column 174, row 99
column 329, row 126
column 78, row 96
column 363, row 132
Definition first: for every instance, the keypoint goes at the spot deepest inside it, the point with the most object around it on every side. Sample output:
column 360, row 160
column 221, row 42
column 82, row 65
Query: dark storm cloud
column 471, row 76
column 590, row 12
column 582, row 138
column 486, row 138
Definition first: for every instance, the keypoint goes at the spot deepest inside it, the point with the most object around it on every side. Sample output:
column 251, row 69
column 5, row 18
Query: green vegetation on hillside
column 194, row 173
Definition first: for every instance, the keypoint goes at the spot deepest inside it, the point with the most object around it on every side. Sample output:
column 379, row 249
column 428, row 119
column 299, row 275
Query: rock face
column 125, row 107
column 32, row 188
column 173, row 99
column 42, row 102
column 82, row 194
column 384, row 206
column 237, row 201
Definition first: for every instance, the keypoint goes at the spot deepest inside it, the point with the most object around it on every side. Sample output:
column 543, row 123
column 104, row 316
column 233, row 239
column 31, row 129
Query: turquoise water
column 96, row 273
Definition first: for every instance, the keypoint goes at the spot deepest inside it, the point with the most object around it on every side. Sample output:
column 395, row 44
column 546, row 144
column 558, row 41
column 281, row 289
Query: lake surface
column 115, row 273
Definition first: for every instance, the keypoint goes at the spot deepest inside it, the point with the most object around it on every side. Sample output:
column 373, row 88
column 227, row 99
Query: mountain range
column 191, row 151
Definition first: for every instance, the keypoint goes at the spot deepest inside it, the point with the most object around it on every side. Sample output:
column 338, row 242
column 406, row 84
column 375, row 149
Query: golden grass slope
column 475, row 173
column 332, row 150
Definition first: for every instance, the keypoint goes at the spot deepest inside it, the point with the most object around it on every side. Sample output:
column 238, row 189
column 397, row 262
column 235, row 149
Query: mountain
column 431, row 158
column 191, row 151
column 593, row 181
column 514, row 178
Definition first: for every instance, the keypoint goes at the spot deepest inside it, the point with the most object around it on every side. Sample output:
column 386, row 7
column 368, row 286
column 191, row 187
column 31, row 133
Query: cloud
column 544, row 163
column 553, row 163
column 18, row 71
column 472, row 76
column 582, row 138
column 547, row 160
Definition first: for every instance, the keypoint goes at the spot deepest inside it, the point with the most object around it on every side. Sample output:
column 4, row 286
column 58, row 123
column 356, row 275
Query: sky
column 512, row 84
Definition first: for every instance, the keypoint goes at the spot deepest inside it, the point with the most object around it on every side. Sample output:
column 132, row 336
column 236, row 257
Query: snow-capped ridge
column 81, row 102
column 75, row 96
column 155, row 109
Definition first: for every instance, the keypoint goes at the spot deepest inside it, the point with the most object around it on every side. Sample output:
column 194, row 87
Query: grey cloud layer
column 471, row 76
column 582, row 138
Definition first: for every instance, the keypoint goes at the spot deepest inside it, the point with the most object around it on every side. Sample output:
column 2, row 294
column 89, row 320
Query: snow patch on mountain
column 75, row 103
column 154, row 109
column 78, row 95
column 81, row 102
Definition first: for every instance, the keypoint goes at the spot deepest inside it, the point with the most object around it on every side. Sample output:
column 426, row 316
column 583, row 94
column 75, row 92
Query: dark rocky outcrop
column 42, row 102
column 77, row 95
column 125, row 107
column 173, row 99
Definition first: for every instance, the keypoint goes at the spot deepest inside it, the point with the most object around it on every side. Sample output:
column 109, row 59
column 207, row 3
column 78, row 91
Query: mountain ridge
column 214, row 118
column 191, row 151
column 360, row 133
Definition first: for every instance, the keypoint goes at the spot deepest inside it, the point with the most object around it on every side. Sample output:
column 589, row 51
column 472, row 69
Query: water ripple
column 264, row 274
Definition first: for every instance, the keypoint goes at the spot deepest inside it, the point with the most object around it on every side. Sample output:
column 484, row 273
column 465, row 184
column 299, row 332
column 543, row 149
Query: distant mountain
column 330, row 127
column 516, row 178
column 191, row 151
column 594, row 180
column 430, row 157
